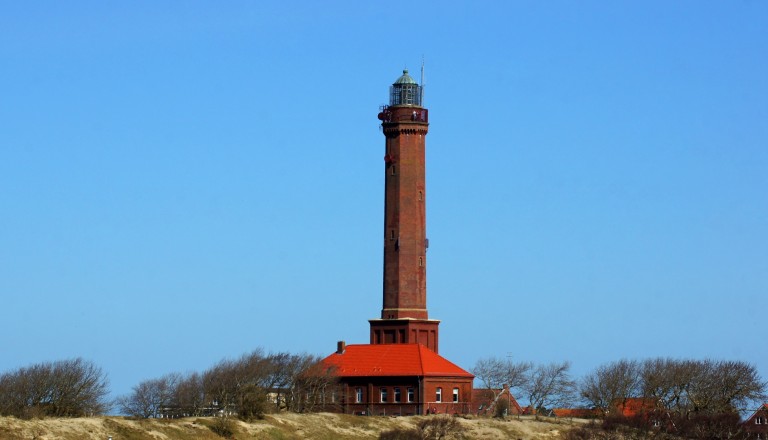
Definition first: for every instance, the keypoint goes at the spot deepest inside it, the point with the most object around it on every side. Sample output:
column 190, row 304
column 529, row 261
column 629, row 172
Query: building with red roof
column 486, row 400
column 399, row 379
column 634, row 406
column 756, row 425
column 400, row 371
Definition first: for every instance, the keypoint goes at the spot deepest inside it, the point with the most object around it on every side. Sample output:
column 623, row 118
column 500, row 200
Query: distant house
column 398, row 379
column 633, row 406
column 485, row 400
column 757, row 424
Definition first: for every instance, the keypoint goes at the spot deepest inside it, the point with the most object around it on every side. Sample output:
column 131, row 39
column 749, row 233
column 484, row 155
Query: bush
column 223, row 427
column 253, row 402
column 400, row 434
column 661, row 425
column 71, row 388
column 435, row 427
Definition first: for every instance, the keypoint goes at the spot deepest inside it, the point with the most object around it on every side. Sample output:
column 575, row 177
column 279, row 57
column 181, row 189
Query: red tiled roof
column 392, row 360
column 487, row 398
column 633, row 406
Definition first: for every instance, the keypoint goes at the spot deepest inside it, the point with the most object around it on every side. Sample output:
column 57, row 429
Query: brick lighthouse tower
column 404, row 318
column 400, row 371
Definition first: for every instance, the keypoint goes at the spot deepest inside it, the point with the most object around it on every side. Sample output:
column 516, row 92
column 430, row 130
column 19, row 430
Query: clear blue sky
column 186, row 181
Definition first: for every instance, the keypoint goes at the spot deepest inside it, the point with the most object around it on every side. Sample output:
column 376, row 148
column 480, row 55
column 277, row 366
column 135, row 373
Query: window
column 358, row 395
column 411, row 394
column 383, row 395
column 759, row 420
column 421, row 196
column 393, row 170
column 455, row 394
column 439, row 395
column 421, row 261
column 397, row 395
column 391, row 234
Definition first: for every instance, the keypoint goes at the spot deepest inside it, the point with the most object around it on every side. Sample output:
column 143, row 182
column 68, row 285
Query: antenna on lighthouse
column 421, row 98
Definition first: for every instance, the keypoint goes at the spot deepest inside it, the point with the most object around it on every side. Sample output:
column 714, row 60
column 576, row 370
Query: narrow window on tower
column 421, row 261
column 421, row 196
column 393, row 170
column 391, row 234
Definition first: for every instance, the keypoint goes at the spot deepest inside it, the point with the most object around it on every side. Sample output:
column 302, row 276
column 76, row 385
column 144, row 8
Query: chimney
column 340, row 347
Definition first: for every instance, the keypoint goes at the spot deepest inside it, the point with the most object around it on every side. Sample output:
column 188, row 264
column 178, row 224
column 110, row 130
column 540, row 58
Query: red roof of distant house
column 392, row 360
column 633, row 406
column 484, row 399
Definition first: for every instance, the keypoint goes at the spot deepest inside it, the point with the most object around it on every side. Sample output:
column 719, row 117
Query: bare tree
column 312, row 385
column 70, row 388
column 247, row 387
column 189, row 397
column 493, row 373
column 717, row 387
column 677, row 386
column 151, row 397
column 609, row 383
column 256, row 383
column 549, row 385
column 490, row 372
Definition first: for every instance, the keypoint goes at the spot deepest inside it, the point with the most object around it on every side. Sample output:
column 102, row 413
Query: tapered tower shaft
column 404, row 317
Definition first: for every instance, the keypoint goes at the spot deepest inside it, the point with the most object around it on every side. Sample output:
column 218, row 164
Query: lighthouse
column 405, row 123
column 400, row 371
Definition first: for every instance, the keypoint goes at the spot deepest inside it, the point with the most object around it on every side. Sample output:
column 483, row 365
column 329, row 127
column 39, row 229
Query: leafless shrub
column 247, row 387
column 493, row 372
column 433, row 428
column 550, row 385
column 151, row 397
column 441, row 427
column 678, row 386
column 70, row 388
column 609, row 383
column 223, row 427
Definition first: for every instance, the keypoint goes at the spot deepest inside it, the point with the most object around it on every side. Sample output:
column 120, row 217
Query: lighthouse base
column 405, row 331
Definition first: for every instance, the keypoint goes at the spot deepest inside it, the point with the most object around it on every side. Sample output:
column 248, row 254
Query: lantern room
column 405, row 91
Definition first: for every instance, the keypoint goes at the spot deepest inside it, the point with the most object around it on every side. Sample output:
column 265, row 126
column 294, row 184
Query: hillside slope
column 286, row 426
